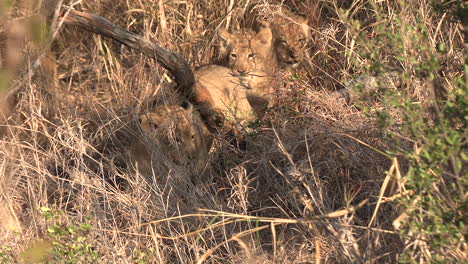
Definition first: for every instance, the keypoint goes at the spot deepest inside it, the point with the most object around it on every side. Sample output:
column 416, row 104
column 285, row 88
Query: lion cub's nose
column 241, row 71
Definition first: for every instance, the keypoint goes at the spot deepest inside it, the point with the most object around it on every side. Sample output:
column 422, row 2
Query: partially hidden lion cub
column 291, row 33
column 242, row 90
column 179, row 133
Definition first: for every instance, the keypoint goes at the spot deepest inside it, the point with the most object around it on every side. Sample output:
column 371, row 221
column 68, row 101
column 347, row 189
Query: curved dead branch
column 171, row 61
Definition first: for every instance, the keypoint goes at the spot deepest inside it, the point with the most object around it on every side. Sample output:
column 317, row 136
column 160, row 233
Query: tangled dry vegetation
column 313, row 182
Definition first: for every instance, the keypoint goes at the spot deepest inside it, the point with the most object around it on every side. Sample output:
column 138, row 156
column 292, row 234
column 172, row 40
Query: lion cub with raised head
column 291, row 33
column 251, row 67
column 179, row 133
column 240, row 91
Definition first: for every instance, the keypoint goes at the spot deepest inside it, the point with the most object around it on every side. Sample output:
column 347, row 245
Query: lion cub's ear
column 225, row 36
column 263, row 23
column 226, row 40
column 301, row 18
column 303, row 21
column 264, row 32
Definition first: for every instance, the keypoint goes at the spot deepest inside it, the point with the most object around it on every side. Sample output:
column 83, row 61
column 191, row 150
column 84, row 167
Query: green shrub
column 70, row 243
column 427, row 120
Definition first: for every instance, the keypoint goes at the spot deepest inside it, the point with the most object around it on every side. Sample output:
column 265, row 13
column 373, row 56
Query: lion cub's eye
column 233, row 55
column 301, row 41
column 283, row 42
column 251, row 55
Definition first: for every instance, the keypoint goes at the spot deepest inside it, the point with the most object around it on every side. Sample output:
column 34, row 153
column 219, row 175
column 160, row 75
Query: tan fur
column 179, row 133
column 228, row 93
column 291, row 33
column 22, row 32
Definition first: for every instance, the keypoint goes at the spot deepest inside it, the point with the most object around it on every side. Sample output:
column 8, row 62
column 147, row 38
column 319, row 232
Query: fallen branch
column 171, row 61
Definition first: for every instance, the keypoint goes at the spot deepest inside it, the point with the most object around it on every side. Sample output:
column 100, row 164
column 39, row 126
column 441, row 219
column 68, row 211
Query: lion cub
column 242, row 90
column 291, row 33
column 179, row 133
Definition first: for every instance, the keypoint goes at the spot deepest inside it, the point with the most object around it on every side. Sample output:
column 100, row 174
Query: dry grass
column 303, row 189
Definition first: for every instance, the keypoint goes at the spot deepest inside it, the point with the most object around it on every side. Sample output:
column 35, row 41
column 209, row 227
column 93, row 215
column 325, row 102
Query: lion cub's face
column 249, row 52
column 291, row 34
column 180, row 136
